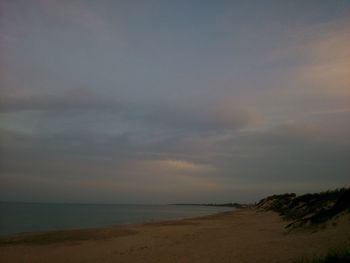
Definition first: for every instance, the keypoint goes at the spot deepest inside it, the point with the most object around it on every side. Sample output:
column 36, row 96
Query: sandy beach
column 239, row 236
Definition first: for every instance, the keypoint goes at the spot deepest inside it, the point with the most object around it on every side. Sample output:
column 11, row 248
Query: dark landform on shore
column 234, row 205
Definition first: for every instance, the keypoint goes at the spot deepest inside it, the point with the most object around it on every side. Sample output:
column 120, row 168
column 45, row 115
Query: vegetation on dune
column 310, row 209
column 333, row 256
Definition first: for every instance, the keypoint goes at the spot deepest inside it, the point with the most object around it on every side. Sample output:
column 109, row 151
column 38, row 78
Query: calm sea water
column 31, row 217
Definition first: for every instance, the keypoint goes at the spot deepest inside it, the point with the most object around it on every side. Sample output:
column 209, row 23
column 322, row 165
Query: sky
column 173, row 101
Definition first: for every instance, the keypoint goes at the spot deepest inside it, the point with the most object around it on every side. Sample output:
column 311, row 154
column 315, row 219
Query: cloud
column 200, row 118
column 178, row 166
column 281, row 157
column 331, row 111
column 37, row 16
column 70, row 99
column 29, row 86
column 248, row 104
column 329, row 64
column 150, row 115
column 319, row 56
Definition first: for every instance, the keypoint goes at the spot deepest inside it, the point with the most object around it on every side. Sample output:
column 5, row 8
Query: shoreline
column 243, row 234
column 24, row 235
column 97, row 228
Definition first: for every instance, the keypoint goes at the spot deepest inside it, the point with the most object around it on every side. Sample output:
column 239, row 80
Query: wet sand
column 239, row 236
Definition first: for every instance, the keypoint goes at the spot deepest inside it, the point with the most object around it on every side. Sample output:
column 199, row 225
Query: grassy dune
column 333, row 256
column 312, row 210
column 308, row 209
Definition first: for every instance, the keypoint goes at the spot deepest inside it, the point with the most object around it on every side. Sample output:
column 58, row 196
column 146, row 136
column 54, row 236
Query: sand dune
column 240, row 236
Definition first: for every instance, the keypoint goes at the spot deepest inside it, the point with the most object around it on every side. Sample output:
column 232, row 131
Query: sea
column 36, row 217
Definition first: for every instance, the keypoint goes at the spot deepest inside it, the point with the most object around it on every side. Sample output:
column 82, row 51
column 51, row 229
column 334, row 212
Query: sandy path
column 239, row 236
